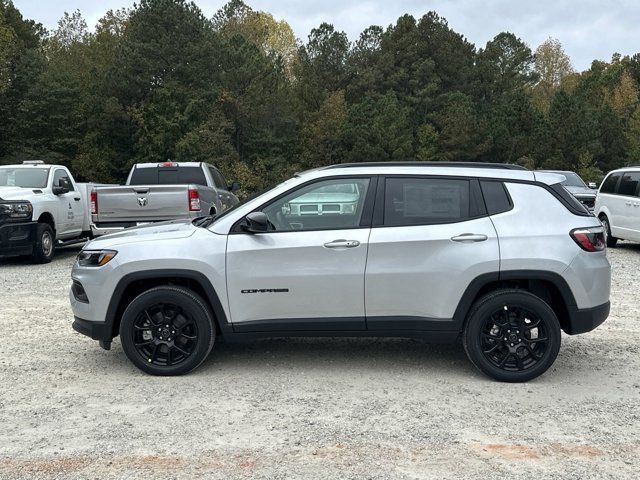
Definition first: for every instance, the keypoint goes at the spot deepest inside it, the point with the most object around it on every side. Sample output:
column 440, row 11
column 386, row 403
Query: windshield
column 572, row 180
column 23, row 177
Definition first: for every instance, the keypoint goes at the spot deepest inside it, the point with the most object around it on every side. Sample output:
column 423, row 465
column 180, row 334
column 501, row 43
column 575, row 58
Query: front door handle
column 628, row 204
column 470, row 237
column 342, row 244
column 77, row 199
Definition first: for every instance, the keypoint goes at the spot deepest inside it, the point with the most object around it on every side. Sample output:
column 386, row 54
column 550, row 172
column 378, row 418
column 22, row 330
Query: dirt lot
column 309, row 408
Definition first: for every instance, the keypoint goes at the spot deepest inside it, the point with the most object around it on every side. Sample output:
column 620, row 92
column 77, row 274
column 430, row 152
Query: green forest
column 161, row 81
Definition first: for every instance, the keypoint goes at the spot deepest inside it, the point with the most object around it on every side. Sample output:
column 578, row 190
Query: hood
column 16, row 193
column 581, row 191
column 173, row 229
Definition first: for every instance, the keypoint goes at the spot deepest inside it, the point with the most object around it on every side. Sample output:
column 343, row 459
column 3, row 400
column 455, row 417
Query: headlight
column 16, row 210
column 95, row 258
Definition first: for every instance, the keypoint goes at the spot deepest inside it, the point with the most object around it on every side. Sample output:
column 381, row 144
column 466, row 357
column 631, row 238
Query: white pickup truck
column 41, row 207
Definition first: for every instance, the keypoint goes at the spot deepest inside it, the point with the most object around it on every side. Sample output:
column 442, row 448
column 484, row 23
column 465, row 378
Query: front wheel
column 167, row 331
column 512, row 335
column 44, row 245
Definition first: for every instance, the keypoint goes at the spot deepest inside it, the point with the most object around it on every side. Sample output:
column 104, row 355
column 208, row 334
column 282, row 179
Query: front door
column 307, row 272
column 69, row 217
column 628, row 217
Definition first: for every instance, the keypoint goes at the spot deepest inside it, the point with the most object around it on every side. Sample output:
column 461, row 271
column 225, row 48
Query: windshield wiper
column 204, row 222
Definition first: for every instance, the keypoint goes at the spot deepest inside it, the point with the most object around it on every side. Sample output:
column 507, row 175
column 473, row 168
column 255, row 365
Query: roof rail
column 33, row 162
column 505, row 166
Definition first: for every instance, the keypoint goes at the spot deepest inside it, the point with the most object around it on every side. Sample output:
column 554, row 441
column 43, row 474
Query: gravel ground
column 309, row 408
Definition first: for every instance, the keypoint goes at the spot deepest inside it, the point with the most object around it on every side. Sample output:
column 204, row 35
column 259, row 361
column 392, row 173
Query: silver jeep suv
column 503, row 257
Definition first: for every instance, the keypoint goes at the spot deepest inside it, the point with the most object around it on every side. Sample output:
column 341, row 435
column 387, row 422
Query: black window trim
column 506, row 191
column 474, row 185
column 365, row 219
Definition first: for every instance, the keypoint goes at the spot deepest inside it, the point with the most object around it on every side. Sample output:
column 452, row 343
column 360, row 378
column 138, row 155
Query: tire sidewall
column 192, row 305
column 610, row 240
column 39, row 255
column 489, row 305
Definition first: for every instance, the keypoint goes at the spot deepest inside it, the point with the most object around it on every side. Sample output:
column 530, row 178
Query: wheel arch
column 549, row 286
column 133, row 284
column 46, row 217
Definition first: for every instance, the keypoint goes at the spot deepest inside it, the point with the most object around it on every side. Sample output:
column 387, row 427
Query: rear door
column 307, row 272
column 430, row 239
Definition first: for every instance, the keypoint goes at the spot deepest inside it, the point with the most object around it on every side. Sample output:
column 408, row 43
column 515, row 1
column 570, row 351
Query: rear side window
column 423, row 201
column 609, row 184
column 496, row 197
column 629, row 184
column 168, row 176
column 218, row 179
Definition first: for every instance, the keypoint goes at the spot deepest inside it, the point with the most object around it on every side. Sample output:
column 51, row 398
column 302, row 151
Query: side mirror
column 257, row 222
column 234, row 187
column 59, row 190
column 592, row 185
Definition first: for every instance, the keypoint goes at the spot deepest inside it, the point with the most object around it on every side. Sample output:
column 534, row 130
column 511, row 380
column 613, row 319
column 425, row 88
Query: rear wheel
column 167, row 331
column 44, row 245
column 512, row 335
column 611, row 240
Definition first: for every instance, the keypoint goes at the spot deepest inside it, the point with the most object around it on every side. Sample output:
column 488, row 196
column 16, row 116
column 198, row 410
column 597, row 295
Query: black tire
column 180, row 332
column 527, row 323
column 44, row 245
column 611, row 240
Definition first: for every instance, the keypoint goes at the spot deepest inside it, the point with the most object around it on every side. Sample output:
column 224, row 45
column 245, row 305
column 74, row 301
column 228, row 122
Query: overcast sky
column 587, row 29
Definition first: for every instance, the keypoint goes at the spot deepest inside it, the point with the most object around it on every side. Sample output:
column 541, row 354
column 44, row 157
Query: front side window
column 324, row 205
column 424, row 201
column 609, row 184
column 24, row 177
column 629, row 184
column 61, row 179
column 218, row 179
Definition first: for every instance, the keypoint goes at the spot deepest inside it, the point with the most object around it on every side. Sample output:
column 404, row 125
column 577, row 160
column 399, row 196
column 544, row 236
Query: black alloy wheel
column 512, row 335
column 167, row 330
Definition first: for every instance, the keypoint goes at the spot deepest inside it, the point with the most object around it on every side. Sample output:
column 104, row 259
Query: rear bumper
column 586, row 319
column 17, row 238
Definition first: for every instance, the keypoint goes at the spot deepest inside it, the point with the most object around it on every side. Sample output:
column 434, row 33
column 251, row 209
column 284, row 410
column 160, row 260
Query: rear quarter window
column 496, row 197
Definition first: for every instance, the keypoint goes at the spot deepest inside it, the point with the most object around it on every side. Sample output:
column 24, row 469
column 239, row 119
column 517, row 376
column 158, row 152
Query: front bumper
column 94, row 330
column 17, row 238
column 586, row 319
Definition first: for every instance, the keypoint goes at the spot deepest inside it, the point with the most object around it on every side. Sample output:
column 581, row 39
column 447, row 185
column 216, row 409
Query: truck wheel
column 44, row 245
column 167, row 331
column 512, row 335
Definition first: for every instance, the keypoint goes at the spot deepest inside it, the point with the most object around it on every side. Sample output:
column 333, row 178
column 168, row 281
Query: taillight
column 590, row 239
column 94, row 202
column 194, row 200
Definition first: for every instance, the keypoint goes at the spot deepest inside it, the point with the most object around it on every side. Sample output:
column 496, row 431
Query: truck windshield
column 23, row 177
column 167, row 176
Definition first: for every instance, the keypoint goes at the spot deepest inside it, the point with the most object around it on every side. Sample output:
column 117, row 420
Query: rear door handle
column 342, row 244
column 628, row 204
column 470, row 237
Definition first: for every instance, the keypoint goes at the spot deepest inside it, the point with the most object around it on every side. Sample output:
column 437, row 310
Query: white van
column 618, row 205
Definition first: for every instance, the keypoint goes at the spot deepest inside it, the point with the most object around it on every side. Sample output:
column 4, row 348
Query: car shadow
column 624, row 245
column 62, row 253
column 338, row 353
